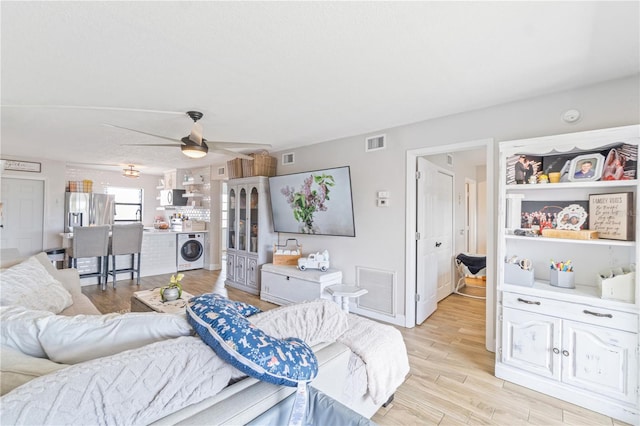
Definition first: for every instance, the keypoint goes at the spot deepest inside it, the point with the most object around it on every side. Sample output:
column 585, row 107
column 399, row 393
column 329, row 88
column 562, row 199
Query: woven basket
column 234, row 168
column 247, row 168
column 263, row 164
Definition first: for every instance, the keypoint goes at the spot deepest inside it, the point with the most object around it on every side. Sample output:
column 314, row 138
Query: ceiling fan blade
column 232, row 154
column 172, row 145
column 105, row 108
column 226, row 145
column 196, row 133
column 144, row 133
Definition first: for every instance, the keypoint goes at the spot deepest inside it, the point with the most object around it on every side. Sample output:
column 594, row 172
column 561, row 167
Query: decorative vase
column 308, row 228
column 170, row 293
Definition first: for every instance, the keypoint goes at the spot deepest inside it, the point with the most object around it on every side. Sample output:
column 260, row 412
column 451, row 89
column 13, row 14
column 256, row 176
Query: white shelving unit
column 196, row 189
column 569, row 343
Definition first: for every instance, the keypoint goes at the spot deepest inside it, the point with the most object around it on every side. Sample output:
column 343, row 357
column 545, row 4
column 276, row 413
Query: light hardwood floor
column 451, row 381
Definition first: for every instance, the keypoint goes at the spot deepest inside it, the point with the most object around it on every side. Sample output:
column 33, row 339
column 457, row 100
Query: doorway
column 486, row 196
column 22, row 215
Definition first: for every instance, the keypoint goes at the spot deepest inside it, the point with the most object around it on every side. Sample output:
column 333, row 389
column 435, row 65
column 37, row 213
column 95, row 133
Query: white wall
column 380, row 232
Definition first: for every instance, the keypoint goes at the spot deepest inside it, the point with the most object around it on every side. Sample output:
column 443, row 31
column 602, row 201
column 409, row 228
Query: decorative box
column 515, row 275
column 617, row 287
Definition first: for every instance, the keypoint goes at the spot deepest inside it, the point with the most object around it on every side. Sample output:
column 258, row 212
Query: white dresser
column 284, row 284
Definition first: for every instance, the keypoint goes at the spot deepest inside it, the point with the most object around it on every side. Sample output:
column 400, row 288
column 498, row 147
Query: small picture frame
column 572, row 217
column 612, row 216
column 586, row 168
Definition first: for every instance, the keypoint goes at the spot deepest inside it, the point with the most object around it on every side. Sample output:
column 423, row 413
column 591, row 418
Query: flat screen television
column 318, row 202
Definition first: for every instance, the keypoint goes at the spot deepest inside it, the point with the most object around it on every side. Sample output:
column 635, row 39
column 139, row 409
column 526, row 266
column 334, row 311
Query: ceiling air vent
column 450, row 160
column 221, row 171
column 375, row 143
column 288, row 158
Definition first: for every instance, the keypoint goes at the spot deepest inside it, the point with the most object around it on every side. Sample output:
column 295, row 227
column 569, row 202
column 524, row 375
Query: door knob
column 438, row 244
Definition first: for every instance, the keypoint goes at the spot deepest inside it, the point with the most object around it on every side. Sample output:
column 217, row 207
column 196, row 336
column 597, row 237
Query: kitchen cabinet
column 173, row 179
column 571, row 343
column 250, row 237
column 285, row 284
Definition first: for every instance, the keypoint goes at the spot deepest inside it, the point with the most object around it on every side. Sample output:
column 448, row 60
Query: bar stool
column 90, row 241
column 125, row 239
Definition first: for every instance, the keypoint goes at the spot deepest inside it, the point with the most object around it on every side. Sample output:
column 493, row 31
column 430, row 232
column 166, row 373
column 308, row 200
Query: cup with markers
column 561, row 274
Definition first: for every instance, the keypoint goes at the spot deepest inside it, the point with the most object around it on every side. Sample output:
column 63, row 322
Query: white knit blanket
column 384, row 353
column 380, row 346
column 133, row 387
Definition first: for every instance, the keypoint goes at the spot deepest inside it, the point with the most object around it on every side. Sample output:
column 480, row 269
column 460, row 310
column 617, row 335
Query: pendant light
column 131, row 172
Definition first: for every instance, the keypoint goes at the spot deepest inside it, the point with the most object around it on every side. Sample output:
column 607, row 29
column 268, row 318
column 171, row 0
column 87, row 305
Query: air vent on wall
column 288, row 158
column 221, row 171
column 374, row 143
column 381, row 285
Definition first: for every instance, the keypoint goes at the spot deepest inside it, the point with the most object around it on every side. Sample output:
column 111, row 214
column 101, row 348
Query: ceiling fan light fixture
column 194, row 151
column 131, row 172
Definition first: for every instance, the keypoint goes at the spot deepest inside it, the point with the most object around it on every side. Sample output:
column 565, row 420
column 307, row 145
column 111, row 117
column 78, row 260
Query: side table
column 150, row 301
column 342, row 293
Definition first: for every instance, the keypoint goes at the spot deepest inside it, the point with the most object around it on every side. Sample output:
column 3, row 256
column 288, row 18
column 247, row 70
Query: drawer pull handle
column 556, row 350
column 528, row 302
column 565, row 353
column 288, row 278
column 597, row 314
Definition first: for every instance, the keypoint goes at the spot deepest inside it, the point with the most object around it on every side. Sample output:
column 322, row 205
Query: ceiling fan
column 194, row 145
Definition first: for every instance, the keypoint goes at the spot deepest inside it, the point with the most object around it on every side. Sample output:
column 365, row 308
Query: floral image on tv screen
column 316, row 203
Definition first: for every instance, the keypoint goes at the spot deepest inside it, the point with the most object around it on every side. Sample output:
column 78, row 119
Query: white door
column 434, row 238
column 22, row 215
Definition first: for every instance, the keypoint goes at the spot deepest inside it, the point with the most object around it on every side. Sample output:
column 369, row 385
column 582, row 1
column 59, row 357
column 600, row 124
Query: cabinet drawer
column 574, row 311
column 289, row 288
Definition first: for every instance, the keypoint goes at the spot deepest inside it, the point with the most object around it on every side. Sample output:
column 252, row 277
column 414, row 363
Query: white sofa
column 237, row 403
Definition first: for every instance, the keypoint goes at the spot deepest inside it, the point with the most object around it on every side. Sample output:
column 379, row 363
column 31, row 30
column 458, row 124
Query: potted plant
column 174, row 290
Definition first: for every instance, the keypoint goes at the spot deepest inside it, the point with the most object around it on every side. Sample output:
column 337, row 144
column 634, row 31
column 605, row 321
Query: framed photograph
column 521, row 168
column 612, row 215
column 572, row 217
column 586, row 167
column 539, row 215
column 620, row 162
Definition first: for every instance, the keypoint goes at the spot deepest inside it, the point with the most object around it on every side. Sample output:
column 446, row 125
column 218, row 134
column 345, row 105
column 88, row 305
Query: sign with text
column 21, row 166
column 612, row 215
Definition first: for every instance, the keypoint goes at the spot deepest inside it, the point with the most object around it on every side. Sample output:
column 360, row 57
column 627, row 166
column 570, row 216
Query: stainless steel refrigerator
column 86, row 209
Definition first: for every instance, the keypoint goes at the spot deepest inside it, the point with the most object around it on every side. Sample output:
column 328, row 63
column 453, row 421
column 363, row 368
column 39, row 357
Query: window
column 128, row 204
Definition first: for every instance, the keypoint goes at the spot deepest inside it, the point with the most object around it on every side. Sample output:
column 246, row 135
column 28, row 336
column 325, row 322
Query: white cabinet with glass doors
column 250, row 237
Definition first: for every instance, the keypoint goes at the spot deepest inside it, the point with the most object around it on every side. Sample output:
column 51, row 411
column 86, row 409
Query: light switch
column 383, row 194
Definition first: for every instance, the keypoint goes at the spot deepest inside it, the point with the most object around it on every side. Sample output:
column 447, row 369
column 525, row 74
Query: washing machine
column 190, row 251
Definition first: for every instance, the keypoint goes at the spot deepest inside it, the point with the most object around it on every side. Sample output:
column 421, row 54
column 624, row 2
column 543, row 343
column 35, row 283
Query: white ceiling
column 284, row 73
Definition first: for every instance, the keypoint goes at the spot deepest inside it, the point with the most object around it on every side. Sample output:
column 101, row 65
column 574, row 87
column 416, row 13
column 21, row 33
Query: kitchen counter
column 146, row 231
column 158, row 255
